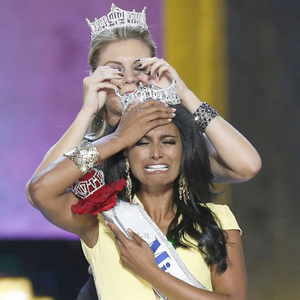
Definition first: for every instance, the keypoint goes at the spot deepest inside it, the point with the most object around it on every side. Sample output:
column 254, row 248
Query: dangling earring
column 128, row 183
column 183, row 189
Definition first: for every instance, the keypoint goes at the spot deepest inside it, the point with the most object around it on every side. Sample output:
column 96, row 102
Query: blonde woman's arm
column 94, row 97
column 233, row 158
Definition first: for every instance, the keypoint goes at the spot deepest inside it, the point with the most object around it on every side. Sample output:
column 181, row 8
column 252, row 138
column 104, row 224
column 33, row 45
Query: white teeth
column 153, row 168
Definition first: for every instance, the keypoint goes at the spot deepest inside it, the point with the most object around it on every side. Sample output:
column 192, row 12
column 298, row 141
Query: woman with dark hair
column 122, row 56
column 169, row 185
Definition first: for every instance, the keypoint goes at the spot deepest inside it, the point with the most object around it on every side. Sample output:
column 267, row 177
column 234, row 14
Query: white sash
column 125, row 215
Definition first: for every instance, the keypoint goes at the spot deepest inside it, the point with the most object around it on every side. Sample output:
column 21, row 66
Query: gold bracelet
column 85, row 157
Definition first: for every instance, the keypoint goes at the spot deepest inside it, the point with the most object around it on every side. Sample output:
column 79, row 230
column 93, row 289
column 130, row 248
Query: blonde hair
column 102, row 41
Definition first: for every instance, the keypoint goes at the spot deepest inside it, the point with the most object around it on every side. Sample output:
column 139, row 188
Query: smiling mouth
column 128, row 92
column 155, row 168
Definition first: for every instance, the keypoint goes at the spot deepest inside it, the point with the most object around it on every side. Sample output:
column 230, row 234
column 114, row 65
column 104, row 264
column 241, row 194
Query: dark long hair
column 194, row 219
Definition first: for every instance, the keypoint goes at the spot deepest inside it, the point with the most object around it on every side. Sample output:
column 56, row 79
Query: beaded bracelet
column 85, row 157
column 204, row 114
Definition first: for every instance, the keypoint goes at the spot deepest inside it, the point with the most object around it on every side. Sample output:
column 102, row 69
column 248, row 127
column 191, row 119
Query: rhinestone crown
column 151, row 92
column 117, row 17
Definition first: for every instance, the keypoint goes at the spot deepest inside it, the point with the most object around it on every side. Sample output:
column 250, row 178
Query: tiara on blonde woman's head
column 117, row 17
column 148, row 93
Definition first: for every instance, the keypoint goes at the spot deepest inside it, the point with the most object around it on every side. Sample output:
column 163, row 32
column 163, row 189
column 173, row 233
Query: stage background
column 241, row 57
column 44, row 48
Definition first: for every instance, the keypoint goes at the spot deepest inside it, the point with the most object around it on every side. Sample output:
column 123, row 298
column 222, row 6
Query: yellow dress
column 113, row 281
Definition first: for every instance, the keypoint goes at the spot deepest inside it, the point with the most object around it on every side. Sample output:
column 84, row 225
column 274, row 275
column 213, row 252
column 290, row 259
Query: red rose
column 89, row 184
column 102, row 200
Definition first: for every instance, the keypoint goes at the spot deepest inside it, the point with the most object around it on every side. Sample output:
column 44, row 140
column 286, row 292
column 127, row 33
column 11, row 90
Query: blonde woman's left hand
column 160, row 73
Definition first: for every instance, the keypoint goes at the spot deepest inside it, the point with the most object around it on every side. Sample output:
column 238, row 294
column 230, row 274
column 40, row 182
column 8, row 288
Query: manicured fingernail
column 173, row 109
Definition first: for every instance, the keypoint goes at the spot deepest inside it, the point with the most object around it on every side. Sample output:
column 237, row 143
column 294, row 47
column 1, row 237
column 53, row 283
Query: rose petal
column 102, row 200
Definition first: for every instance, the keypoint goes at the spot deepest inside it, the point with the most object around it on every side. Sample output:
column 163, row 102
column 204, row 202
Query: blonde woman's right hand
column 96, row 86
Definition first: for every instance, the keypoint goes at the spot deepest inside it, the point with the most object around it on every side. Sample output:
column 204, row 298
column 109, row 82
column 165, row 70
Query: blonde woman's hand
column 96, row 86
column 160, row 73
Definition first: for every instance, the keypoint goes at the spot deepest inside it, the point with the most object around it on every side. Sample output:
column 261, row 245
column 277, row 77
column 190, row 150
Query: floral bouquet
column 101, row 200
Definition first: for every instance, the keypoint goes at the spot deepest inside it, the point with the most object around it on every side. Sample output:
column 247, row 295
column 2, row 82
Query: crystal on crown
column 147, row 93
column 117, row 17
